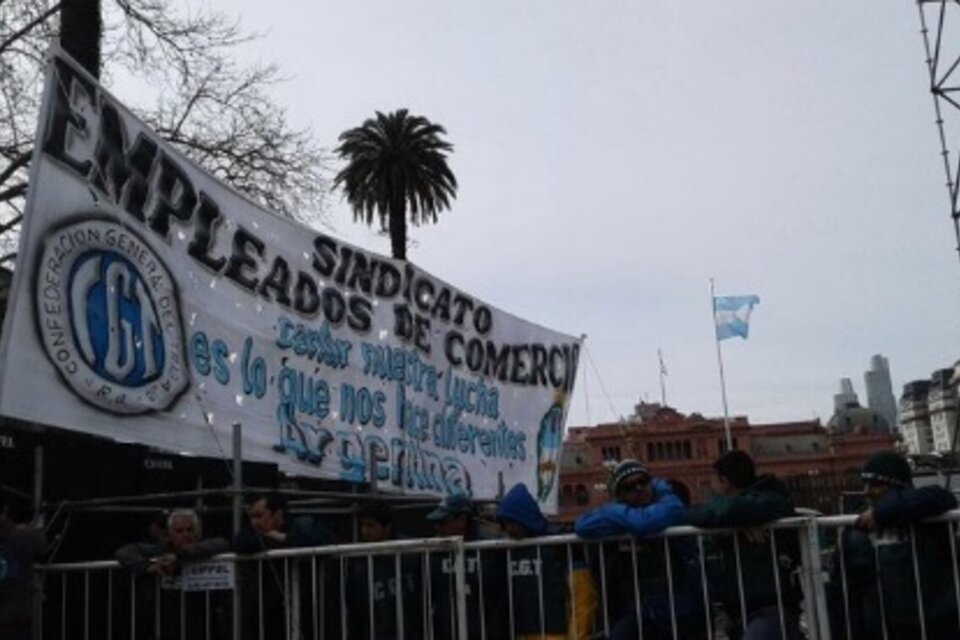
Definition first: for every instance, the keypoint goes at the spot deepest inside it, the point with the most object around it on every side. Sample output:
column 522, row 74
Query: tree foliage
column 177, row 72
column 396, row 162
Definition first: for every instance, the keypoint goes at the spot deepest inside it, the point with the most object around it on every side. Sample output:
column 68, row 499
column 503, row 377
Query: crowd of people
column 893, row 574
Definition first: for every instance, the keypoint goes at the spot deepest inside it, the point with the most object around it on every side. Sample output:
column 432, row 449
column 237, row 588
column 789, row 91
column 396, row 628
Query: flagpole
column 663, row 384
column 723, row 383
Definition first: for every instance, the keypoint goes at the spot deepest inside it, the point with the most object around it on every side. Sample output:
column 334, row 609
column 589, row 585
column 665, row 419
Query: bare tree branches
column 194, row 94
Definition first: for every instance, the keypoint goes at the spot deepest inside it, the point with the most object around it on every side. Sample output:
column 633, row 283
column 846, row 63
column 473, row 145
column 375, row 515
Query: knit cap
column 624, row 470
column 452, row 505
column 888, row 467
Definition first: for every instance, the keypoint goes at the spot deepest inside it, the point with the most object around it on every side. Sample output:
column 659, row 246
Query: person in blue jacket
column 744, row 573
column 873, row 583
column 667, row 582
column 537, row 575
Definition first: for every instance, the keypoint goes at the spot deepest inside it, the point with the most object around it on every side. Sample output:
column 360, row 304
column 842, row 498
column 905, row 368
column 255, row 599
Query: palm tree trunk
column 81, row 28
column 398, row 229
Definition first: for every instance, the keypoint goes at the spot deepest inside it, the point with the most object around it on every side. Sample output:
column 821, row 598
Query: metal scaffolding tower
column 940, row 26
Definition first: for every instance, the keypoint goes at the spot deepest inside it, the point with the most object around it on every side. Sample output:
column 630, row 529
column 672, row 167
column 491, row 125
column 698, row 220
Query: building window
column 610, row 453
column 566, row 495
column 722, row 445
column 581, row 497
column 687, row 449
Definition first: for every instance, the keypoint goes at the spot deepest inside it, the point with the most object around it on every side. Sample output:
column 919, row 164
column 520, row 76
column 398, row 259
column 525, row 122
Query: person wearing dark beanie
column 877, row 555
column 384, row 582
column 756, row 592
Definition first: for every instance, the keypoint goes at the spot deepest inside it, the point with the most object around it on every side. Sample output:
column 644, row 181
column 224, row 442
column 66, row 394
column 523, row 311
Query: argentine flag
column 732, row 315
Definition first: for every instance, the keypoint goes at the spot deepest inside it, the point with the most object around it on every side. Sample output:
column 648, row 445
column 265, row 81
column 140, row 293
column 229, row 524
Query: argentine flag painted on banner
column 732, row 315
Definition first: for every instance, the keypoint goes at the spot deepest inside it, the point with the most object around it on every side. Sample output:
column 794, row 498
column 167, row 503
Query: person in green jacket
column 759, row 598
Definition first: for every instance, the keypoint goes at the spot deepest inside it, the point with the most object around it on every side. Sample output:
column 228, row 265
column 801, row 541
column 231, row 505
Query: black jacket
column 763, row 502
column 263, row 584
column 382, row 592
column 877, row 570
column 491, row 590
column 137, row 556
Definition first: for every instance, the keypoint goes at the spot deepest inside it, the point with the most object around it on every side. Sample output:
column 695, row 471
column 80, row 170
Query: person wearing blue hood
column 653, row 588
column 539, row 575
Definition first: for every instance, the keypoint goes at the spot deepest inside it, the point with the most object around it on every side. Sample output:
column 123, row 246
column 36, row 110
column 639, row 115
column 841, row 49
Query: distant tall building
column 942, row 404
column 928, row 413
column 915, row 417
column 847, row 396
column 880, row 396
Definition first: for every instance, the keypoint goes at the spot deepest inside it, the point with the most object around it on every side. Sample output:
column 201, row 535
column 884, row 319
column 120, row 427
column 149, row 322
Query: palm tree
column 81, row 29
column 396, row 161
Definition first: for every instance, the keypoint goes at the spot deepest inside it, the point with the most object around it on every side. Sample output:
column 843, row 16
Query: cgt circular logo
column 109, row 318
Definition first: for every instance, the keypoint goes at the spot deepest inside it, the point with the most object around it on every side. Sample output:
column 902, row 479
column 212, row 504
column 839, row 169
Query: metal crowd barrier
column 684, row 583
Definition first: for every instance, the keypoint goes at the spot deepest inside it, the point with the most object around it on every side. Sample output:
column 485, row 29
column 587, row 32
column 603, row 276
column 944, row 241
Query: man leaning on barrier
column 265, row 591
column 486, row 576
column 376, row 582
column 163, row 560
column 873, row 584
column 661, row 577
column 272, row 527
column 20, row 546
column 753, row 575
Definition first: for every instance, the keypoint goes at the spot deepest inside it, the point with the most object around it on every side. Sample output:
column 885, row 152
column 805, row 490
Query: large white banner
column 153, row 304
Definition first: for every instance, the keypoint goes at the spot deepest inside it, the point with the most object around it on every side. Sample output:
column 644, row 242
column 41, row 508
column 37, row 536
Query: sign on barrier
column 203, row 576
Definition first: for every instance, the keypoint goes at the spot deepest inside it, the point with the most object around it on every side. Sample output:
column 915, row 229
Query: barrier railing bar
column 843, row 583
column 952, row 534
column 543, row 623
column 604, row 596
column 671, row 597
column 509, row 587
column 460, row 553
column 86, row 605
column 343, row 598
column 569, row 587
column 483, row 604
column 740, row 589
column 109, row 604
column 916, row 575
column 776, row 584
column 637, row 604
column 705, row 586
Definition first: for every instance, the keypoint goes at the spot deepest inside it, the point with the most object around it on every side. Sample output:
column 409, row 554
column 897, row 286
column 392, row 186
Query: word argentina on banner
column 153, row 303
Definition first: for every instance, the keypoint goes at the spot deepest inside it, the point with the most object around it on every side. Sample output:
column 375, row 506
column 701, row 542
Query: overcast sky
column 614, row 156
